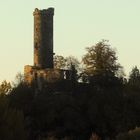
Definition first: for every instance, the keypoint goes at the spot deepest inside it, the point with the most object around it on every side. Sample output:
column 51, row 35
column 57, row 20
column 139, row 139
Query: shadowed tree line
column 99, row 103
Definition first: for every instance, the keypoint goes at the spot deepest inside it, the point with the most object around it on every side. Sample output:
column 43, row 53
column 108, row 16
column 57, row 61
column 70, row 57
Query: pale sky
column 77, row 24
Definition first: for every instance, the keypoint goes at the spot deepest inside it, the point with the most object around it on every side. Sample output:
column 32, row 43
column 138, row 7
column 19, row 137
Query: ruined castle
column 43, row 68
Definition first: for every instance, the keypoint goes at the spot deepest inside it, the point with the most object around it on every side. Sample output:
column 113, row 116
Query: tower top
column 49, row 11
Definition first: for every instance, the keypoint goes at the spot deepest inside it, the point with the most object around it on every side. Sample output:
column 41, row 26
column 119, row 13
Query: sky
column 77, row 24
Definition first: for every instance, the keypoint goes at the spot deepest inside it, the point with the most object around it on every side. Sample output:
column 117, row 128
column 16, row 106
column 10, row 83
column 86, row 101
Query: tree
column 105, row 112
column 73, row 64
column 72, row 61
column 11, row 121
column 130, row 135
column 21, row 97
column 18, row 79
column 5, row 87
column 100, row 65
column 45, row 117
column 100, row 59
column 134, row 77
column 68, row 63
column 59, row 62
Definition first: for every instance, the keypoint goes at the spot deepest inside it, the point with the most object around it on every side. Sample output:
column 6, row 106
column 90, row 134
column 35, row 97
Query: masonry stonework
column 43, row 38
column 43, row 70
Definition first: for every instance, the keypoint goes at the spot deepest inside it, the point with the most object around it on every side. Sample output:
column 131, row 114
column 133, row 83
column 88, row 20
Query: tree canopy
column 100, row 59
column 61, row 62
column 134, row 76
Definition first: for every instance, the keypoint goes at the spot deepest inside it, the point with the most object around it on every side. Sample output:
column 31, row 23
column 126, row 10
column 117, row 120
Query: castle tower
column 43, row 38
column 42, row 71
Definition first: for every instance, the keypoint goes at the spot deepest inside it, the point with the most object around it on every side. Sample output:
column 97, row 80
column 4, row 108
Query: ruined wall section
column 43, row 38
column 41, row 76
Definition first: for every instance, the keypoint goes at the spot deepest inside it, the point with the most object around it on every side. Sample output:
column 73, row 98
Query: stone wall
column 42, row 76
column 43, row 38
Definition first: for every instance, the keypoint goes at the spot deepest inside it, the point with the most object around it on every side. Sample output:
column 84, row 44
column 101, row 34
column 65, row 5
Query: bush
column 130, row 135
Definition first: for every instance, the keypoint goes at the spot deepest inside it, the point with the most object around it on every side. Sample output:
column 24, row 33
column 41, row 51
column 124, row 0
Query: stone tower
column 43, row 38
column 42, row 71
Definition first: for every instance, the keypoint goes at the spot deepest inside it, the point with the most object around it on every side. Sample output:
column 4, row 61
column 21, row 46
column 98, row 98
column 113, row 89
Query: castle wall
column 34, row 74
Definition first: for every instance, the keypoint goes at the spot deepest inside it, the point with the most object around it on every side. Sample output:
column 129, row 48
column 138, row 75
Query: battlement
column 49, row 11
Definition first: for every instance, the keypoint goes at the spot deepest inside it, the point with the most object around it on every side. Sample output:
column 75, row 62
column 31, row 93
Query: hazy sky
column 77, row 24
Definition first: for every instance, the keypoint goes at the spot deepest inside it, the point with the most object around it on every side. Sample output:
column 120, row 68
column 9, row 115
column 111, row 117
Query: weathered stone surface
column 28, row 74
column 43, row 38
column 43, row 71
column 41, row 76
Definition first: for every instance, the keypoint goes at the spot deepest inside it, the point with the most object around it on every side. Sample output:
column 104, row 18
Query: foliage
column 21, row 97
column 134, row 75
column 59, row 62
column 103, row 106
column 134, row 79
column 100, row 59
column 130, row 135
column 18, row 79
column 105, row 111
column 72, row 61
column 11, row 122
column 5, row 87
column 61, row 115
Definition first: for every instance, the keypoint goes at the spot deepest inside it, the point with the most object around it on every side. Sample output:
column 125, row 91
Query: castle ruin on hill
column 43, row 68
